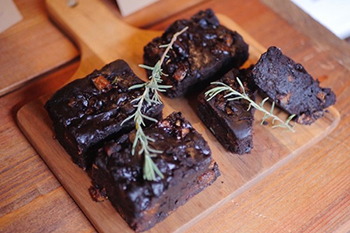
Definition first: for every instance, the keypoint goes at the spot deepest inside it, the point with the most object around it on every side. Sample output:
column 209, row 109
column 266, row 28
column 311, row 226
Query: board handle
column 98, row 33
column 88, row 20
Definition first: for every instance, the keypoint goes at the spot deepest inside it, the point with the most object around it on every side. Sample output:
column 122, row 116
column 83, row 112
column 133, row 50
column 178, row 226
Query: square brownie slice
column 205, row 51
column 88, row 111
column 229, row 121
column 185, row 162
column 291, row 87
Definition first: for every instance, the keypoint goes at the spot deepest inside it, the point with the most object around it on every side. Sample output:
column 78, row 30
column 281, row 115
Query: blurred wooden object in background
column 35, row 45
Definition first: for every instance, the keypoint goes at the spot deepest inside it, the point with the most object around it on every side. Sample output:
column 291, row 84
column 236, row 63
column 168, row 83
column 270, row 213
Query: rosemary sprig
column 150, row 96
column 235, row 95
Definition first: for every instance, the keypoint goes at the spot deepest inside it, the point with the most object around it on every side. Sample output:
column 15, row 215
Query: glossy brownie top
column 185, row 154
column 198, row 51
column 93, row 107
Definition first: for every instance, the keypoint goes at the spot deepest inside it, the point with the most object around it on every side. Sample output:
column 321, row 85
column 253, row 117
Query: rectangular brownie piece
column 291, row 87
column 89, row 110
column 186, row 164
column 229, row 121
column 205, row 51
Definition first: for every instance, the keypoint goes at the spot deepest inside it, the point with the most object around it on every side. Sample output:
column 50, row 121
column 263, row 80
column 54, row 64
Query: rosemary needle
column 235, row 95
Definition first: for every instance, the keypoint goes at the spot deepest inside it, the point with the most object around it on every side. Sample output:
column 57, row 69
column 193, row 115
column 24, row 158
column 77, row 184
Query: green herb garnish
column 235, row 95
column 150, row 96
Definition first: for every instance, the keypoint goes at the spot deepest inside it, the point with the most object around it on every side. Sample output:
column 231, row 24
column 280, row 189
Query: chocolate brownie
column 89, row 110
column 229, row 121
column 205, row 51
column 186, row 164
column 291, row 87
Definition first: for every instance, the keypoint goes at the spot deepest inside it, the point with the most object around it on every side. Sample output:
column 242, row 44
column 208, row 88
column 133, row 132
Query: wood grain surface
column 312, row 192
column 307, row 25
column 32, row 200
column 31, row 47
column 272, row 148
column 155, row 12
column 35, row 45
column 309, row 194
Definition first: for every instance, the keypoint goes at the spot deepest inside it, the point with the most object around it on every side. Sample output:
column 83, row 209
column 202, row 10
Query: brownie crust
column 291, row 87
column 205, row 51
column 88, row 111
column 186, row 164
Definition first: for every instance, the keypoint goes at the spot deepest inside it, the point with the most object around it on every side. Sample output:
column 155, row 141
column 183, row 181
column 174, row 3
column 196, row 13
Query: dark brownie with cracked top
column 291, row 87
column 185, row 162
column 205, row 51
column 90, row 110
column 229, row 121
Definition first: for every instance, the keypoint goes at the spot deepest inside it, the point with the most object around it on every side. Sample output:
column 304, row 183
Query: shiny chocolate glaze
column 88, row 111
column 206, row 50
column 186, row 164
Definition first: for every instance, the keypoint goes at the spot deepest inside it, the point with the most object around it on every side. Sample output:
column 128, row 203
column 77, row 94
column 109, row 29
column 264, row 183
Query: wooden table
column 309, row 194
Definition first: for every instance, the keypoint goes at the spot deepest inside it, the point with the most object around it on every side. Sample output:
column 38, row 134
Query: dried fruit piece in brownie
column 206, row 50
column 186, row 164
column 87, row 111
column 229, row 121
column 291, row 87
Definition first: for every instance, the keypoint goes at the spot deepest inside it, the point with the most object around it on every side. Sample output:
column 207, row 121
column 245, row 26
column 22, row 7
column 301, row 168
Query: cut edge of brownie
column 218, row 128
column 222, row 117
column 292, row 88
column 181, row 182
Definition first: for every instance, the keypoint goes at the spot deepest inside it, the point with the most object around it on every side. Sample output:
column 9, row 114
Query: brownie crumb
column 97, row 194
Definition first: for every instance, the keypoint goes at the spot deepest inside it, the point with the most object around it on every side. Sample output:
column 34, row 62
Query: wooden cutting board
column 102, row 38
column 35, row 46
column 31, row 47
